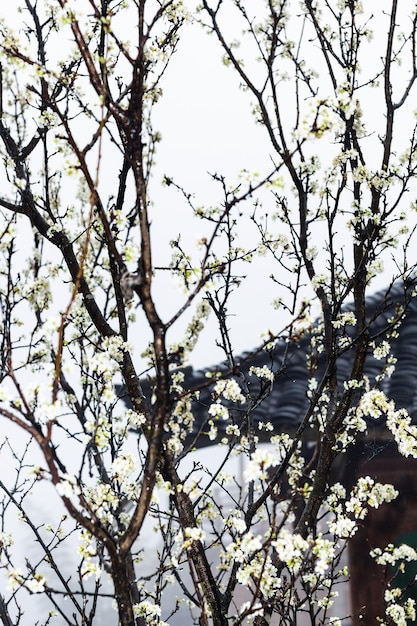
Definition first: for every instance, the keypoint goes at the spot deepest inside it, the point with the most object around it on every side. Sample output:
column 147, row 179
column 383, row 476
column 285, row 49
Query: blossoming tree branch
column 108, row 515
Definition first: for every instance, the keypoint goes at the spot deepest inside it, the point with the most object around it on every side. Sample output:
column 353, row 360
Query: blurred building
column 284, row 402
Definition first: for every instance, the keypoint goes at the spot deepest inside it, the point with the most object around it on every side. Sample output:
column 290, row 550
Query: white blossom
column 261, row 460
column 230, row 390
column 347, row 318
column 292, row 549
column 218, row 411
column 263, row 373
column 122, row 466
column 236, row 522
column 67, row 486
column 90, row 568
column 244, row 547
column 343, row 527
column 36, row 584
column 150, row 611
column 15, row 578
column 382, row 350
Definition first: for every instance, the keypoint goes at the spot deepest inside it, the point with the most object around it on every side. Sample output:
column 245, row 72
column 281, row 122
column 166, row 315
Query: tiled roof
column 284, row 401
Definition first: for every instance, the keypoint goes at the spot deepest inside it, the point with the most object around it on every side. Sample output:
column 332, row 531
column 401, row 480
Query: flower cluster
column 401, row 615
column 260, row 571
column 243, row 548
column 382, row 350
column 366, row 493
column 374, row 403
column 405, row 433
column 394, row 555
column 192, row 332
column 291, row 549
column 188, row 536
column 320, row 118
column 104, row 501
column 264, row 373
column 343, row 527
column 347, row 318
column 67, row 486
column 180, row 424
column 352, row 425
column 260, row 462
column 218, row 411
column 122, row 467
column 88, row 551
column 230, row 390
column 150, row 612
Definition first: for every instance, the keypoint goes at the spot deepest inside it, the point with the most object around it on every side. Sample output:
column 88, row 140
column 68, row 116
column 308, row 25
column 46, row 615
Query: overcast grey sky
column 207, row 128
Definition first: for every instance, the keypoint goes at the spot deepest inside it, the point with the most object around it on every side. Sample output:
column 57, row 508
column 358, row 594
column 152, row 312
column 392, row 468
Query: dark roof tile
column 284, row 404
